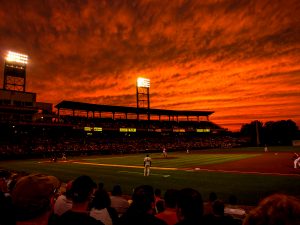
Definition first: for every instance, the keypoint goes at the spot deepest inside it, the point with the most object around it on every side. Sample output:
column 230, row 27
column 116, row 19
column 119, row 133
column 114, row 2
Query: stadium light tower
column 142, row 95
column 15, row 71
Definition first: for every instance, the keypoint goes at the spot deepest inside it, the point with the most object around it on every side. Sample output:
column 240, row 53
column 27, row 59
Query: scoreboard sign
column 127, row 129
column 91, row 129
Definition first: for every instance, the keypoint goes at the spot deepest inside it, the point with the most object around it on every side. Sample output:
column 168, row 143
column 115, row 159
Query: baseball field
column 249, row 173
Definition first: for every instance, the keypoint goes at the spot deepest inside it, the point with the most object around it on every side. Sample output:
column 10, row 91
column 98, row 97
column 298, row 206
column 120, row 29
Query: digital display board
column 99, row 129
column 127, row 129
column 203, row 130
column 179, row 130
column 87, row 129
column 91, row 129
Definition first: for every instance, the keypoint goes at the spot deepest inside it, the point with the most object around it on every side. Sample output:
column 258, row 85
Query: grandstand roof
column 124, row 109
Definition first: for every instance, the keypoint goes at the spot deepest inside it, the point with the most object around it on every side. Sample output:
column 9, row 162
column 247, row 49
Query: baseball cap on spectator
column 82, row 188
column 32, row 195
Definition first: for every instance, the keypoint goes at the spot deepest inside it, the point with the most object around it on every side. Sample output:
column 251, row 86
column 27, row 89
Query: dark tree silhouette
column 271, row 133
column 251, row 131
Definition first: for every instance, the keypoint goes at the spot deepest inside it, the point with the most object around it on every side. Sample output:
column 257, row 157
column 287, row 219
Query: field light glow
column 143, row 82
column 16, row 57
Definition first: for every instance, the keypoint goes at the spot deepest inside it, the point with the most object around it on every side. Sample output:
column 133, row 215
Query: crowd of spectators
column 46, row 147
column 38, row 199
column 68, row 135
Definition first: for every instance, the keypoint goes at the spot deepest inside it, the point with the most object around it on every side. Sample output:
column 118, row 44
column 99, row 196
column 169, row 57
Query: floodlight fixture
column 143, row 95
column 16, row 57
column 143, row 82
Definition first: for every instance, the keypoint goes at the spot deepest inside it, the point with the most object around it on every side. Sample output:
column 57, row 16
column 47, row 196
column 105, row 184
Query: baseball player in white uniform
column 147, row 165
column 64, row 157
column 165, row 154
column 297, row 160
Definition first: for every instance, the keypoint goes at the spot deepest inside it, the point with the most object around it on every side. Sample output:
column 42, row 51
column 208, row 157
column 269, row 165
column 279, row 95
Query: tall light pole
column 15, row 71
column 143, row 95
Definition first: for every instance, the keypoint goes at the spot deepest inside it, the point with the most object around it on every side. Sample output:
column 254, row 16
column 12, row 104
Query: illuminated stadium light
column 17, row 57
column 143, row 82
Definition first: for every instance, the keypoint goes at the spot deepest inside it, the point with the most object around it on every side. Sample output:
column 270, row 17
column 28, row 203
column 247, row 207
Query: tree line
column 281, row 132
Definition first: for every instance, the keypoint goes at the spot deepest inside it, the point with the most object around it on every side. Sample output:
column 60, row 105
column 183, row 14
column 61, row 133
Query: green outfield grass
column 173, row 172
column 175, row 160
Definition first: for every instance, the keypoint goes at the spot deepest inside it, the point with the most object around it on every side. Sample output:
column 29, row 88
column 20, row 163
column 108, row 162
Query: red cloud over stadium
column 238, row 58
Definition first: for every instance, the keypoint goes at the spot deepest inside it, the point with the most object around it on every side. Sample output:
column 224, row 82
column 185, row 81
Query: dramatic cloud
column 239, row 58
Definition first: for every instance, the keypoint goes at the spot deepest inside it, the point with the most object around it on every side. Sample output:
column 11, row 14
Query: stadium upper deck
column 95, row 108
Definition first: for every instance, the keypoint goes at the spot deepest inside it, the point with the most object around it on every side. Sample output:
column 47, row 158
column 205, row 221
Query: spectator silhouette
column 189, row 207
column 7, row 216
column 277, row 209
column 218, row 217
column 101, row 209
column 169, row 215
column 33, row 198
column 208, row 206
column 64, row 202
column 81, row 192
column 118, row 201
column 141, row 210
column 233, row 210
column 159, row 201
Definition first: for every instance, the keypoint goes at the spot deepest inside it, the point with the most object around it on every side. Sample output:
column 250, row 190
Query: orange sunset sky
column 239, row 58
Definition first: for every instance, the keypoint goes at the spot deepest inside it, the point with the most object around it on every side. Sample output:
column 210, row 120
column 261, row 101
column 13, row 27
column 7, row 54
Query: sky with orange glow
column 239, row 58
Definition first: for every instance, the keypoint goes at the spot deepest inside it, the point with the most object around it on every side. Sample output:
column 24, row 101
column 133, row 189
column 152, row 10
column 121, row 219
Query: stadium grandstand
column 116, row 117
column 31, row 128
